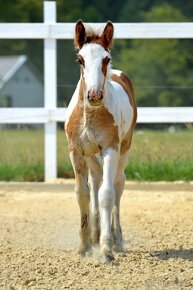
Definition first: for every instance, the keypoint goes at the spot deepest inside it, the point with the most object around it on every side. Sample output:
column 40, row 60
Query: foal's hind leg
column 119, row 187
column 95, row 176
column 83, row 198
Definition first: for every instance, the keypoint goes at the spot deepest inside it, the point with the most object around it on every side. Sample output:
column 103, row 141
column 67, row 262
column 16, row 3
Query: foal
column 99, row 127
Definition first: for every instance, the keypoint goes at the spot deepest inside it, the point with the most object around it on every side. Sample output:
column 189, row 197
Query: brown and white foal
column 99, row 127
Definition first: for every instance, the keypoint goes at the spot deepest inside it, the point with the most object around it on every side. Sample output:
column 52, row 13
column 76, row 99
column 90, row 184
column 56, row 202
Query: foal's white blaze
column 93, row 55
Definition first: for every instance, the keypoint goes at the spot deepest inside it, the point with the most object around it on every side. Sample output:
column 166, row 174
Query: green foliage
column 21, row 11
column 134, row 11
column 163, row 13
column 72, row 10
column 159, row 68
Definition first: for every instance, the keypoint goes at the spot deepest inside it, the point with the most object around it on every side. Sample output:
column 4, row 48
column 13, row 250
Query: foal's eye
column 80, row 60
column 106, row 60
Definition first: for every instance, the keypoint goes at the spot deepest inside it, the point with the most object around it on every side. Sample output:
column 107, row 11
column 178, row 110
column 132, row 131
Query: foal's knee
column 106, row 197
column 82, row 193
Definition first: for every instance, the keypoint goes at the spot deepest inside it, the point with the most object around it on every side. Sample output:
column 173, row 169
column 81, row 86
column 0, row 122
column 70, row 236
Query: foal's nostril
column 101, row 95
column 95, row 96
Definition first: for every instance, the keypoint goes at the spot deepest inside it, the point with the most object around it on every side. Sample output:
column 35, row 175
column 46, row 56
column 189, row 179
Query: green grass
column 154, row 155
column 159, row 155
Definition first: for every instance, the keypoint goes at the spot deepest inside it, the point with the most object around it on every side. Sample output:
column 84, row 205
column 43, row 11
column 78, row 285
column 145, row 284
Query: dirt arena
column 39, row 239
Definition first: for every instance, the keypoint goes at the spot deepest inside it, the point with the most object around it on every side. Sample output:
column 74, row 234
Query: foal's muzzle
column 95, row 99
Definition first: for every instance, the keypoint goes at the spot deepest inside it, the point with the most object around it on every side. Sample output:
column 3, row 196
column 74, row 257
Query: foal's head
column 94, row 58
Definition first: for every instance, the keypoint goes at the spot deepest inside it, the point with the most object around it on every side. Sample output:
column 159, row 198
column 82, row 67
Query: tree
column 133, row 11
column 160, row 69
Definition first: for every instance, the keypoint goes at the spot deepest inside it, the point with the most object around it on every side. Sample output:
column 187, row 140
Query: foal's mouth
column 94, row 102
column 95, row 99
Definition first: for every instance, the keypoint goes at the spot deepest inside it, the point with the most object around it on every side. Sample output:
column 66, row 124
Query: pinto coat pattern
column 99, row 126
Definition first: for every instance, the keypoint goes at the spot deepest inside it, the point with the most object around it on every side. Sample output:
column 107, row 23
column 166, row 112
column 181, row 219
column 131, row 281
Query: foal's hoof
column 107, row 258
column 118, row 248
column 85, row 250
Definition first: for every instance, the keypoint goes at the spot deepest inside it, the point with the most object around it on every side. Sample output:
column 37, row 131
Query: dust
column 39, row 227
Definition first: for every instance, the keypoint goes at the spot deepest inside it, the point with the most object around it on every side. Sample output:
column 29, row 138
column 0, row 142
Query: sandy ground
column 39, row 239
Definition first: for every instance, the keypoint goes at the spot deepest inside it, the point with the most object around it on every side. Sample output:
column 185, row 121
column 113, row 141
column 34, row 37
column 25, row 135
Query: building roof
column 9, row 65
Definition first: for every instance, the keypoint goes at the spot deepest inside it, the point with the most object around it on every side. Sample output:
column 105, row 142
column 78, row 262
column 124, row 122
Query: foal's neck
column 90, row 115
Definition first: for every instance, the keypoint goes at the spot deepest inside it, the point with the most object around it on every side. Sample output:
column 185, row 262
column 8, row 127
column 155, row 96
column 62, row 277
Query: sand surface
column 39, row 239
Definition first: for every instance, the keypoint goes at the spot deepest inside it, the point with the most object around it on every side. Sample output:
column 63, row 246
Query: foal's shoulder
column 122, row 79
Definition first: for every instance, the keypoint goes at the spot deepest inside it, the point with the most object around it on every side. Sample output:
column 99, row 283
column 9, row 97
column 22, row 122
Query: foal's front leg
column 119, row 187
column 95, row 176
column 106, row 202
column 83, row 198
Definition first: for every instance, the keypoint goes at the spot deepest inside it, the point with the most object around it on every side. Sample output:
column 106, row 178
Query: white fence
column 50, row 31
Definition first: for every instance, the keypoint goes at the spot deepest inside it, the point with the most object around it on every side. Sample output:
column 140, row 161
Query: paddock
column 39, row 238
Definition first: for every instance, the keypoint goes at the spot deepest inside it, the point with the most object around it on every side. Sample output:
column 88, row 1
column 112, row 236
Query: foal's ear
column 107, row 35
column 80, row 35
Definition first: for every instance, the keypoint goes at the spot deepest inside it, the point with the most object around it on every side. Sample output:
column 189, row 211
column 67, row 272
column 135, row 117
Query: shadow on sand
column 185, row 254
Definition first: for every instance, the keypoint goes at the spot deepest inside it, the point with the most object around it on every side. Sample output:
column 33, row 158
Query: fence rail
column 122, row 30
column 50, row 31
column 43, row 115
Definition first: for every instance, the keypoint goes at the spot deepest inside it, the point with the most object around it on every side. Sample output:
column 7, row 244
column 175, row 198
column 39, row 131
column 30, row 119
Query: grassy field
column 155, row 155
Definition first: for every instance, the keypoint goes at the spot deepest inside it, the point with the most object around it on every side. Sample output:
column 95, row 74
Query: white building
column 21, row 83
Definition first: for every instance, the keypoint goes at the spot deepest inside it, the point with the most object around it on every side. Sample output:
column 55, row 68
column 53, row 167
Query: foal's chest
column 99, row 132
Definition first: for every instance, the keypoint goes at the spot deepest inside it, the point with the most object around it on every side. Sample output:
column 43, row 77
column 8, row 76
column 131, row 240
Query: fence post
column 50, row 94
